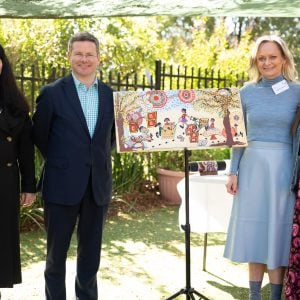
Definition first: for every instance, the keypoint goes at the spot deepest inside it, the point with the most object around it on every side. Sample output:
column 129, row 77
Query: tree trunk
column 227, row 126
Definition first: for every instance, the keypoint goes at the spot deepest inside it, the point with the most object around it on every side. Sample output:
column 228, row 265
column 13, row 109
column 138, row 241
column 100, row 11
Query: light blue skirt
column 262, row 212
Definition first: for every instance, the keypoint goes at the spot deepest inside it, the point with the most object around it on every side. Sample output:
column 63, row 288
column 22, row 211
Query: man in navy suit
column 74, row 131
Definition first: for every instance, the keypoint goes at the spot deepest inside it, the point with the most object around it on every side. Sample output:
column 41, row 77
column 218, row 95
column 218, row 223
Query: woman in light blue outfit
column 260, row 175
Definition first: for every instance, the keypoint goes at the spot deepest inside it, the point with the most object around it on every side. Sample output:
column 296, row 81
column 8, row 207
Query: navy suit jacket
column 71, row 156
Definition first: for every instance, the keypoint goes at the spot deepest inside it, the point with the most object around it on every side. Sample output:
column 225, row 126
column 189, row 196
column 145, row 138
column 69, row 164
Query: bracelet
column 229, row 174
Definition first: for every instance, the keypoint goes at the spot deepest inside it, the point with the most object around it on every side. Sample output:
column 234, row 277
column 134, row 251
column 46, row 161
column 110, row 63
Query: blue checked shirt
column 89, row 101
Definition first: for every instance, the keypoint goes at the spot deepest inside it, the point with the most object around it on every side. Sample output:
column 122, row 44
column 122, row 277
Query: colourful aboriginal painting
column 160, row 120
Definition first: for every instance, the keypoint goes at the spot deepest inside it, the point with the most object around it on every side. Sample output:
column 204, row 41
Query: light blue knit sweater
column 268, row 117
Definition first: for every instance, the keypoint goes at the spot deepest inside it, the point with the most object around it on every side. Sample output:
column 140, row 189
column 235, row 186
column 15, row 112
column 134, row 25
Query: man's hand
column 27, row 199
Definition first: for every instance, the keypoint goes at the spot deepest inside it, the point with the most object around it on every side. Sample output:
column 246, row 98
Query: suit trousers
column 60, row 223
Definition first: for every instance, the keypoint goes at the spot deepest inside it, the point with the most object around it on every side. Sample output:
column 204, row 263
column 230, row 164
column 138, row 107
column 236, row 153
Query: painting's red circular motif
column 186, row 96
column 158, row 98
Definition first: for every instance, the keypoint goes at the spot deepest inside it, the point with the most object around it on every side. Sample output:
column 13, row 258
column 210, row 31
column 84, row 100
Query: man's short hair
column 83, row 37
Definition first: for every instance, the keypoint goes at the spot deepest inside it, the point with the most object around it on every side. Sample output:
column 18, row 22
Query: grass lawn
column 143, row 258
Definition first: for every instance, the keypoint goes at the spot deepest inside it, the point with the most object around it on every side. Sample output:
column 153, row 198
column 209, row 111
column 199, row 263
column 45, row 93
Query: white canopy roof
column 113, row 8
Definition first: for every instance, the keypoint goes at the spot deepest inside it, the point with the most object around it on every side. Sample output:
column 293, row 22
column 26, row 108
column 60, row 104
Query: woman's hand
column 231, row 184
column 27, row 199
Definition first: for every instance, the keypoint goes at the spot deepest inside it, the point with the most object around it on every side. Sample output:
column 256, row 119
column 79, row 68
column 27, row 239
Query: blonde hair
column 288, row 69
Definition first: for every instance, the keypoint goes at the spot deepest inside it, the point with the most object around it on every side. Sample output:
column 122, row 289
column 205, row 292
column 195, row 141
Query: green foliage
column 126, row 44
column 32, row 217
column 128, row 170
column 131, row 170
column 286, row 27
column 133, row 44
column 130, row 44
column 210, row 154
column 171, row 160
column 39, row 162
column 175, row 160
column 213, row 50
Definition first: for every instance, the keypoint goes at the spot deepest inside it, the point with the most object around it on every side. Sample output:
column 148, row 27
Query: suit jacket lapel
column 72, row 97
column 101, row 95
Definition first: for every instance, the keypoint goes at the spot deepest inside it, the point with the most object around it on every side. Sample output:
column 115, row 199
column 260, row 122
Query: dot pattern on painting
column 158, row 98
column 186, row 96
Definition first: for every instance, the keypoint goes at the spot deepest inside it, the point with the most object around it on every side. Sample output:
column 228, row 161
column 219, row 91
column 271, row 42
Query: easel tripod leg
column 188, row 291
column 204, row 252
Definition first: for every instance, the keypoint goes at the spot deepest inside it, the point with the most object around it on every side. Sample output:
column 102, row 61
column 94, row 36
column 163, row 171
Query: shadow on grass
column 125, row 238
column 235, row 291
column 33, row 247
column 156, row 230
column 157, row 227
column 239, row 292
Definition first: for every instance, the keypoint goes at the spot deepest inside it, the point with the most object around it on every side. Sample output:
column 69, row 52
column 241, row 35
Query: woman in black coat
column 17, row 175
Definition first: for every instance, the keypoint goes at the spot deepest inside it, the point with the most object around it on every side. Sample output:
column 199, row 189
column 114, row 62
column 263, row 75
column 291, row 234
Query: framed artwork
column 158, row 120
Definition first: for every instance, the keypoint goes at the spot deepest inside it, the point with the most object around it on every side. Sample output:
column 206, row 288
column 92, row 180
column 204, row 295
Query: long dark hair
column 11, row 98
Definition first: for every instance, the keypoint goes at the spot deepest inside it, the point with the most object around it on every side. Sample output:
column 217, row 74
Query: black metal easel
column 188, row 290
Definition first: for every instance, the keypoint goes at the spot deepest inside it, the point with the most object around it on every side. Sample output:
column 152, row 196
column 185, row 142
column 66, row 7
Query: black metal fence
column 165, row 77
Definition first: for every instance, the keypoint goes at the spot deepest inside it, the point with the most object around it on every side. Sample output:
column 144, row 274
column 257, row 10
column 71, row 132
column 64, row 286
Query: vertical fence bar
column 199, row 78
column 151, row 82
column 32, row 90
column 110, row 78
column 219, row 79
column 158, row 74
column 163, row 77
column 206, row 79
column 176, row 76
column 22, row 77
column 185, row 75
column 43, row 81
column 127, row 81
column 144, row 82
column 52, row 76
column 171, row 77
column 135, row 81
column 236, row 80
column 64, row 72
column 119, row 81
